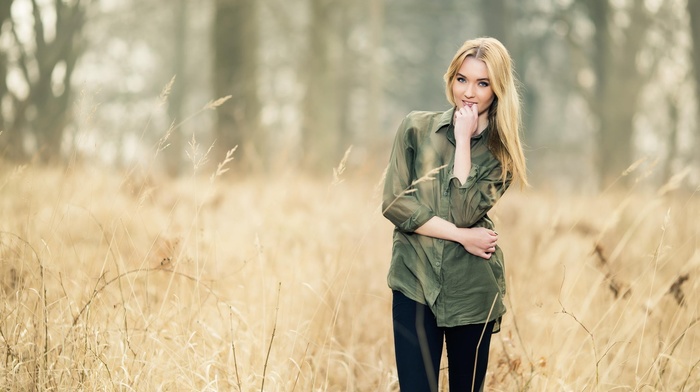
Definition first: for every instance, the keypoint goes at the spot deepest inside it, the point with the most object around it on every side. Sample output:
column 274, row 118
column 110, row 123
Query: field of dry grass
column 122, row 281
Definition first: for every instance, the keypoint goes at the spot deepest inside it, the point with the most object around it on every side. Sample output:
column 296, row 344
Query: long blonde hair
column 504, row 113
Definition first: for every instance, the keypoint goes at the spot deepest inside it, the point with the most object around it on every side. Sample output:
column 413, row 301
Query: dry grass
column 124, row 282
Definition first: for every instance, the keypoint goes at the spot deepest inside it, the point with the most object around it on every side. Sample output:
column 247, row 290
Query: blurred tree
column 177, row 96
column 326, row 74
column 693, row 7
column 498, row 20
column 45, row 59
column 618, row 37
column 10, row 143
column 235, row 37
column 375, row 78
column 420, row 50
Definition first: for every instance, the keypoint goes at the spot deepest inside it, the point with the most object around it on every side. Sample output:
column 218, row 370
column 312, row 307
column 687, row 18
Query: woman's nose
column 469, row 91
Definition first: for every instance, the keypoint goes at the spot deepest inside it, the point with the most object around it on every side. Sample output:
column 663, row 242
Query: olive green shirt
column 459, row 288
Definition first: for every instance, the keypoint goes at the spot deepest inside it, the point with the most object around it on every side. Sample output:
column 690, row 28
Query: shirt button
column 444, row 193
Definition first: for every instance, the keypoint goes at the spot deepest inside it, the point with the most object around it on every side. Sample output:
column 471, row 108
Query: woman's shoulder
column 424, row 115
column 422, row 120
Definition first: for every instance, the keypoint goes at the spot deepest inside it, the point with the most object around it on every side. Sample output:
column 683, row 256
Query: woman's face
column 472, row 86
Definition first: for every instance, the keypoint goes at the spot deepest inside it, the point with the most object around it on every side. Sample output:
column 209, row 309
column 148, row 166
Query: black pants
column 418, row 347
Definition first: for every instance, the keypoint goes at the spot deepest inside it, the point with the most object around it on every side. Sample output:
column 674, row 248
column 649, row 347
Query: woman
column 447, row 169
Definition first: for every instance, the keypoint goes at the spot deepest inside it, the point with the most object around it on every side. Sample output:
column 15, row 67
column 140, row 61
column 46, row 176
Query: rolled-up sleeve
column 469, row 202
column 400, row 204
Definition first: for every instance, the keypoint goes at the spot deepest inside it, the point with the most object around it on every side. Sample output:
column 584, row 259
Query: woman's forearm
column 440, row 228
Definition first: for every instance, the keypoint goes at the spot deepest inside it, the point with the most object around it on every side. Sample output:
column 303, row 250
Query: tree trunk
column 616, row 90
column 11, row 139
column 322, row 121
column 51, row 97
column 374, row 106
column 175, row 101
column 497, row 17
column 694, row 12
column 235, row 73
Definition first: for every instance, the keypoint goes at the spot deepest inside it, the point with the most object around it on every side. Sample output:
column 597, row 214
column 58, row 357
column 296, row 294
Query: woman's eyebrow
column 478, row 80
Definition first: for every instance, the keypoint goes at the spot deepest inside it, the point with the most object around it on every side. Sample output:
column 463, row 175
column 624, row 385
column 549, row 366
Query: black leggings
column 418, row 347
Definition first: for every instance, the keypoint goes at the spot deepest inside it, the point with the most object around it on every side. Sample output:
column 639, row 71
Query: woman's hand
column 466, row 122
column 479, row 241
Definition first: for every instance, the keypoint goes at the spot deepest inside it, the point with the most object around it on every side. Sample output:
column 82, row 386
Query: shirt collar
column 445, row 119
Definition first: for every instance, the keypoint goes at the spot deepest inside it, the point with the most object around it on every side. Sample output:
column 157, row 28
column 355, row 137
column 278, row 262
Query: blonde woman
column 447, row 169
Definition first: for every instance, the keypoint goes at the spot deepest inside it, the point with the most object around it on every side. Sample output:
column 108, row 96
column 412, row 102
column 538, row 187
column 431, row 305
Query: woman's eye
column 483, row 84
column 461, row 79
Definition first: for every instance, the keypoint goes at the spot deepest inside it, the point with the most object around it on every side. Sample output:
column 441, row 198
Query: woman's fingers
column 482, row 243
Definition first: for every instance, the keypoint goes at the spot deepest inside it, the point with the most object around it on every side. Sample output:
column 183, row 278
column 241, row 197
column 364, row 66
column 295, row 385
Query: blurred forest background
column 122, row 266
column 605, row 83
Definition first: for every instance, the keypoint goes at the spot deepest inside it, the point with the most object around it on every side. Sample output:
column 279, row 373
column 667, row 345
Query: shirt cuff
column 418, row 219
column 471, row 178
